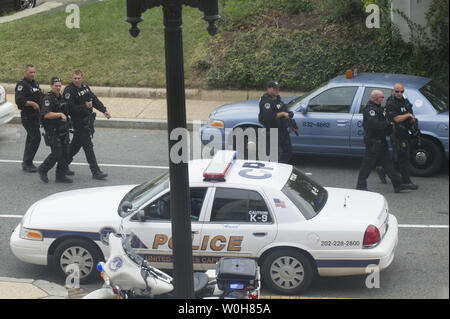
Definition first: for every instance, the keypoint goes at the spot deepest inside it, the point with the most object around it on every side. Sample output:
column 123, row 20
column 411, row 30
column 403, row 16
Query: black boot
column 43, row 175
column 409, row 185
column 29, row 167
column 61, row 178
column 68, row 172
column 399, row 188
column 99, row 175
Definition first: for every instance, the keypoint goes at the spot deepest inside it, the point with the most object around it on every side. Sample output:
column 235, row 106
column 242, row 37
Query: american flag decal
column 279, row 203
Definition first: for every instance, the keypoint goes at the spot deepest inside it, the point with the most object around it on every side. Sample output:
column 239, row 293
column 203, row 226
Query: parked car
column 330, row 118
column 294, row 227
column 17, row 4
column 6, row 108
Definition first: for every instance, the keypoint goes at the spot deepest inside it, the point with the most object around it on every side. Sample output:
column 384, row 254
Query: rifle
column 91, row 117
column 293, row 125
column 413, row 127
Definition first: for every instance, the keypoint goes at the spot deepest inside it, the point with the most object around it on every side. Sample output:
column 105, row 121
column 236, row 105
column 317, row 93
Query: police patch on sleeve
column 20, row 88
column 267, row 106
column 47, row 103
column 372, row 113
column 67, row 96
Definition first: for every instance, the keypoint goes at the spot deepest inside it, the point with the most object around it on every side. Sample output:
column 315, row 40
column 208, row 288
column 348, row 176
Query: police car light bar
column 219, row 166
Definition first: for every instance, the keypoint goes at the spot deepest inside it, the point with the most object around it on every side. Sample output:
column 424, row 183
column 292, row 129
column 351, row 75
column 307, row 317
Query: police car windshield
column 144, row 192
column 307, row 195
column 294, row 104
column 437, row 95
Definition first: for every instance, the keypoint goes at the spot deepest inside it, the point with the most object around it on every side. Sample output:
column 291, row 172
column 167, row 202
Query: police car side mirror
column 303, row 108
column 141, row 216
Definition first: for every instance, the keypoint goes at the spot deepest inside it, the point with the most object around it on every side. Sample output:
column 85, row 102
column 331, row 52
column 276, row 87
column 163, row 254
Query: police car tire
column 90, row 253
column 290, row 261
column 433, row 151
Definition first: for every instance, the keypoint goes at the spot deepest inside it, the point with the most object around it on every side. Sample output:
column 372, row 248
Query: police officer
column 54, row 117
column 376, row 128
column 80, row 101
column 273, row 113
column 28, row 97
column 399, row 110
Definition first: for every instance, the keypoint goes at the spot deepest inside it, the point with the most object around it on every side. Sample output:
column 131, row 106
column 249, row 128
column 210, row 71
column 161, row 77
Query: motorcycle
column 128, row 275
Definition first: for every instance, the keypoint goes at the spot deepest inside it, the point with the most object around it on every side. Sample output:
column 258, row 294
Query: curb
column 160, row 93
column 146, row 124
column 47, row 6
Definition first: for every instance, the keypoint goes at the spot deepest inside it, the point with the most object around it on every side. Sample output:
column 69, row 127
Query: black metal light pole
column 180, row 207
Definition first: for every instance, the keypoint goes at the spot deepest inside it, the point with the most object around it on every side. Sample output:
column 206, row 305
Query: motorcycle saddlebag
column 237, row 274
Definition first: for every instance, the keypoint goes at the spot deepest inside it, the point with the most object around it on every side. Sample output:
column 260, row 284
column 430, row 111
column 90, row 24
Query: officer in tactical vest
column 273, row 113
column 28, row 97
column 399, row 111
column 376, row 128
column 54, row 117
column 80, row 101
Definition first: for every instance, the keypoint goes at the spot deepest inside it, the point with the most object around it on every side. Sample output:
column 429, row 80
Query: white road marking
column 105, row 165
column 423, row 226
column 11, row 216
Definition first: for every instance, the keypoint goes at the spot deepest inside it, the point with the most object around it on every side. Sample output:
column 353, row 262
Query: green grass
column 102, row 47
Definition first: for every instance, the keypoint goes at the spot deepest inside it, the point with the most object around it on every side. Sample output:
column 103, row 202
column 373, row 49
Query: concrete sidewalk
column 13, row 288
column 146, row 108
column 47, row 6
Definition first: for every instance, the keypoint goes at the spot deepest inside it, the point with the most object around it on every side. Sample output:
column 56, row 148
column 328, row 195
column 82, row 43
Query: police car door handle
column 342, row 122
column 259, row 234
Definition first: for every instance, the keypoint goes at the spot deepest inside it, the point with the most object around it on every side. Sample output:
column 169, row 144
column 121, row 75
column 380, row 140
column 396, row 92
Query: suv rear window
column 437, row 95
column 307, row 195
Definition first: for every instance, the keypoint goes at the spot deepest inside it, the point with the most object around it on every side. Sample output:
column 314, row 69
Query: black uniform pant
column 400, row 150
column 284, row 145
column 59, row 154
column 82, row 138
column 31, row 125
column 377, row 153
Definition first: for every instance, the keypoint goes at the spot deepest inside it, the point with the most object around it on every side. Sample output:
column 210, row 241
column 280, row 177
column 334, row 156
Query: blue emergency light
column 219, row 166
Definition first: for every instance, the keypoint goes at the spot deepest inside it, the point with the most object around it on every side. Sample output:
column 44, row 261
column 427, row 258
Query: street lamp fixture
column 135, row 8
column 180, row 203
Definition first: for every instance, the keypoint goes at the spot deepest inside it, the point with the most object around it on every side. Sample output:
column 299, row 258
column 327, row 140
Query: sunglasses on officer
column 399, row 91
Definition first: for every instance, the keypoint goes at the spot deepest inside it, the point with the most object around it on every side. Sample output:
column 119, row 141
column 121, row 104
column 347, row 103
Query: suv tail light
column 371, row 236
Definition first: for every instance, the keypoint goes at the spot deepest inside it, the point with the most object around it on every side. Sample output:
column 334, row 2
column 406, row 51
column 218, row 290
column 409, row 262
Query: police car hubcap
column 287, row 272
column 78, row 256
column 421, row 158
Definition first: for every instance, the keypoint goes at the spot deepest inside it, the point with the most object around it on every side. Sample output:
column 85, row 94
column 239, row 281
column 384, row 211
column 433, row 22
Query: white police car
column 6, row 108
column 269, row 211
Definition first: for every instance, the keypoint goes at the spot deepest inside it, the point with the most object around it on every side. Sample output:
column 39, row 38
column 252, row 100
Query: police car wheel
column 77, row 252
column 287, row 272
column 426, row 158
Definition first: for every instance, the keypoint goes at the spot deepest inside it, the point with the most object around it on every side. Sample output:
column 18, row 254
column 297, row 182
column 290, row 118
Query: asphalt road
column 420, row 268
